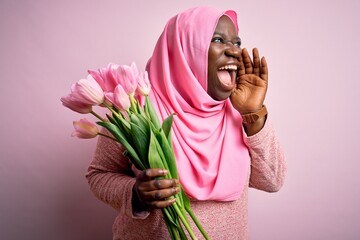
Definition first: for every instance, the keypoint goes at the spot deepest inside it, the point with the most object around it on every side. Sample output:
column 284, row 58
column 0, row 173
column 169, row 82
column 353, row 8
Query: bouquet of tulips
column 137, row 128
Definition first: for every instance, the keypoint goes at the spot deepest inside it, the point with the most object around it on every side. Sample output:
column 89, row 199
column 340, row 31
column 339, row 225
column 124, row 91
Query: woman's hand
column 152, row 193
column 252, row 82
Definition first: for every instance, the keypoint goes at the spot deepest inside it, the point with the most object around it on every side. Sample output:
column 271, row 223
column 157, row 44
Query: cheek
column 212, row 56
column 215, row 54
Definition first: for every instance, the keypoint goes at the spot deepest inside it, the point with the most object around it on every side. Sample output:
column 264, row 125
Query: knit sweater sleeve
column 267, row 160
column 111, row 179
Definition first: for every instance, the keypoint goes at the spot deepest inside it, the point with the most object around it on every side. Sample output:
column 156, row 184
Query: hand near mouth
column 249, row 94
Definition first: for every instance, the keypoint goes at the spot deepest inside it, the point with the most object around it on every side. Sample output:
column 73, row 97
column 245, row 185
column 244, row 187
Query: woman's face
column 223, row 59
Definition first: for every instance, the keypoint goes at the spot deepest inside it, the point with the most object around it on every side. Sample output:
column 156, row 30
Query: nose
column 232, row 50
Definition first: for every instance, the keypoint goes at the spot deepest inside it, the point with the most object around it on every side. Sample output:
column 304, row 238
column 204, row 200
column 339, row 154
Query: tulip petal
column 88, row 91
column 70, row 102
column 127, row 77
column 121, row 99
column 99, row 78
column 85, row 129
column 144, row 86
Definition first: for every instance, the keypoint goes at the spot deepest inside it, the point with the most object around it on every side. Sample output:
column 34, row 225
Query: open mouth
column 227, row 75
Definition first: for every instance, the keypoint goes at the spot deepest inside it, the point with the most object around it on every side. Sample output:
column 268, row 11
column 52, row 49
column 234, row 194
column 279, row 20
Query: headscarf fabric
column 212, row 159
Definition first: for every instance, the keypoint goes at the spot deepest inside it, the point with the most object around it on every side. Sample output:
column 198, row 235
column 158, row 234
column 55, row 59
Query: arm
column 249, row 95
column 267, row 160
column 112, row 179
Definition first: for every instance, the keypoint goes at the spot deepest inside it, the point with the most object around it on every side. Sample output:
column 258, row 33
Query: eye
column 237, row 43
column 217, row 40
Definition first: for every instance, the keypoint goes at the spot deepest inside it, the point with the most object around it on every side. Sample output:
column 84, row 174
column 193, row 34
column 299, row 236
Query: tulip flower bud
column 70, row 102
column 88, row 91
column 127, row 76
column 85, row 129
column 119, row 98
column 144, row 86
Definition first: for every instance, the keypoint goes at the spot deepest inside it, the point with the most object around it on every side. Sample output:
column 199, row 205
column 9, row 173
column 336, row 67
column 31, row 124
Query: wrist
column 137, row 204
column 253, row 117
column 254, row 122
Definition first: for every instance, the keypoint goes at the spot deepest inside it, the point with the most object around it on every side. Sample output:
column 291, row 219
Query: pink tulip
column 119, row 98
column 105, row 77
column 144, row 86
column 70, row 102
column 85, row 129
column 127, row 76
column 112, row 75
column 88, row 91
column 100, row 78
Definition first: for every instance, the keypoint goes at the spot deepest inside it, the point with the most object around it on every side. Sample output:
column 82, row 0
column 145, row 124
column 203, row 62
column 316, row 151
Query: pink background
column 312, row 48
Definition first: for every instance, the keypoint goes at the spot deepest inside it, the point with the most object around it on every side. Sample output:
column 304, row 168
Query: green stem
column 181, row 230
column 107, row 136
column 184, row 220
column 111, row 109
column 197, row 223
column 133, row 103
column 176, row 225
column 171, row 227
column 98, row 116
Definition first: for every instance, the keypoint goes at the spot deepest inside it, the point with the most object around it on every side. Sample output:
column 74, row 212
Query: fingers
column 247, row 61
column 156, row 193
column 256, row 66
column 162, row 204
column 158, row 198
column 264, row 69
column 158, row 184
column 241, row 70
column 256, row 59
column 151, row 173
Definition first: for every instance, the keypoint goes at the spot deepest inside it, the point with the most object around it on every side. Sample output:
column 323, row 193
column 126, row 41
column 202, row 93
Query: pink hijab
column 212, row 159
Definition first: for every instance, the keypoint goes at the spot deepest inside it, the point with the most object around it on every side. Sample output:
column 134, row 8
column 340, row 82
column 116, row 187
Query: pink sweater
column 111, row 179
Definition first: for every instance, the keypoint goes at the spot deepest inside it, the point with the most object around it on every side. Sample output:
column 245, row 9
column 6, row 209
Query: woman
column 222, row 137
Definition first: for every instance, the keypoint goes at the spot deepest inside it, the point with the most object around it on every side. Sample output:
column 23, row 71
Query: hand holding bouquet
column 137, row 128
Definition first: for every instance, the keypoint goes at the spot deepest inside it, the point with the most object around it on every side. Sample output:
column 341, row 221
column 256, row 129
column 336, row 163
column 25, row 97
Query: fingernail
column 165, row 171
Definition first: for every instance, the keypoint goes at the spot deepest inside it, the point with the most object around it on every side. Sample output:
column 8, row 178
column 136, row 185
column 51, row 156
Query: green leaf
column 149, row 109
column 141, row 122
column 111, row 119
column 168, row 153
column 122, row 121
column 124, row 126
column 114, row 130
column 166, row 126
column 140, row 136
column 167, row 123
column 161, row 151
column 141, row 143
column 155, row 160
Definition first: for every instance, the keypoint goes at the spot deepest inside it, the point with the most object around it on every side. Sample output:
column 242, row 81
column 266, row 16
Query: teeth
column 229, row 67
